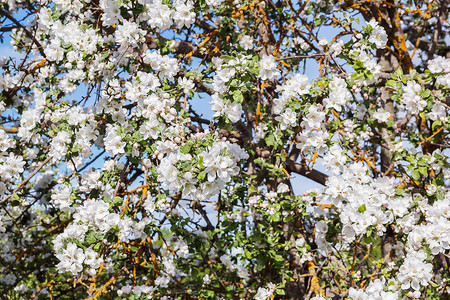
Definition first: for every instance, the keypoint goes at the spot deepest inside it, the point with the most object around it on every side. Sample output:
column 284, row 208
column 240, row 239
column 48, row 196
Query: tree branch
column 29, row 34
column 306, row 171
column 9, row 129
column 7, row 28
column 178, row 47
column 205, row 26
column 26, row 180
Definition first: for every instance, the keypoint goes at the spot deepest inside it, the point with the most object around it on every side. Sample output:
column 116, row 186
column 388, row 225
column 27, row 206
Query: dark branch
column 29, row 34
column 306, row 171
column 7, row 28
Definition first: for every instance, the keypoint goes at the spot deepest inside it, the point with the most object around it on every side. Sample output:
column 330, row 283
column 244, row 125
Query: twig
column 26, row 180
column 11, row 18
column 303, row 56
column 9, row 129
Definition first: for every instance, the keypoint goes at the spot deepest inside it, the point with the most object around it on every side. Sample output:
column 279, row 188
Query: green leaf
column 362, row 208
column 423, row 171
column 275, row 217
column 97, row 247
column 427, row 251
column 104, row 55
column 90, row 238
column 160, row 197
column 138, row 136
column 186, row 165
column 433, row 284
column 281, row 291
column 391, row 83
column 226, row 58
column 278, row 258
column 237, row 96
column 201, row 175
column 415, row 175
column 186, row 148
column 425, row 94
column 117, row 201
column 436, row 124
column 367, row 239
column 79, row 244
column 15, row 197
column 66, row 46
column 234, row 83
column 56, row 14
column 399, row 192
column 112, row 238
column 270, row 140
column 369, row 233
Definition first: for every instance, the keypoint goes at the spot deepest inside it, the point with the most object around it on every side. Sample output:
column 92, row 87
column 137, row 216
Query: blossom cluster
column 114, row 183
column 217, row 165
column 367, row 206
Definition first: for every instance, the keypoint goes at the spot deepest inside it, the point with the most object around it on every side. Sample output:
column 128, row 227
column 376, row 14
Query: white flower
column 61, row 197
column 8, row 279
column 71, row 259
column 184, row 16
column 169, row 266
column 300, row 242
column 339, row 95
column 58, row 146
column 91, row 259
column 282, row 188
column 260, row 132
column 162, row 281
column 232, row 110
column 323, row 42
column 415, row 272
column 186, row 84
column 113, row 141
column 382, row 116
column 321, row 227
column 242, row 272
column 53, row 51
column 214, row 3
column 246, row 42
column 438, row 112
column 111, row 12
column 6, row 141
column 149, row 204
column 226, row 260
column 336, row 48
column 378, row 35
column 431, row 189
column 268, row 68
column 439, row 64
column 265, row 293
column 296, row 86
column 128, row 34
column 12, row 167
column 161, row 16
column 413, row 102
column 90, row 180
column 286, row 119
column 349, row 233
column 206, row 279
